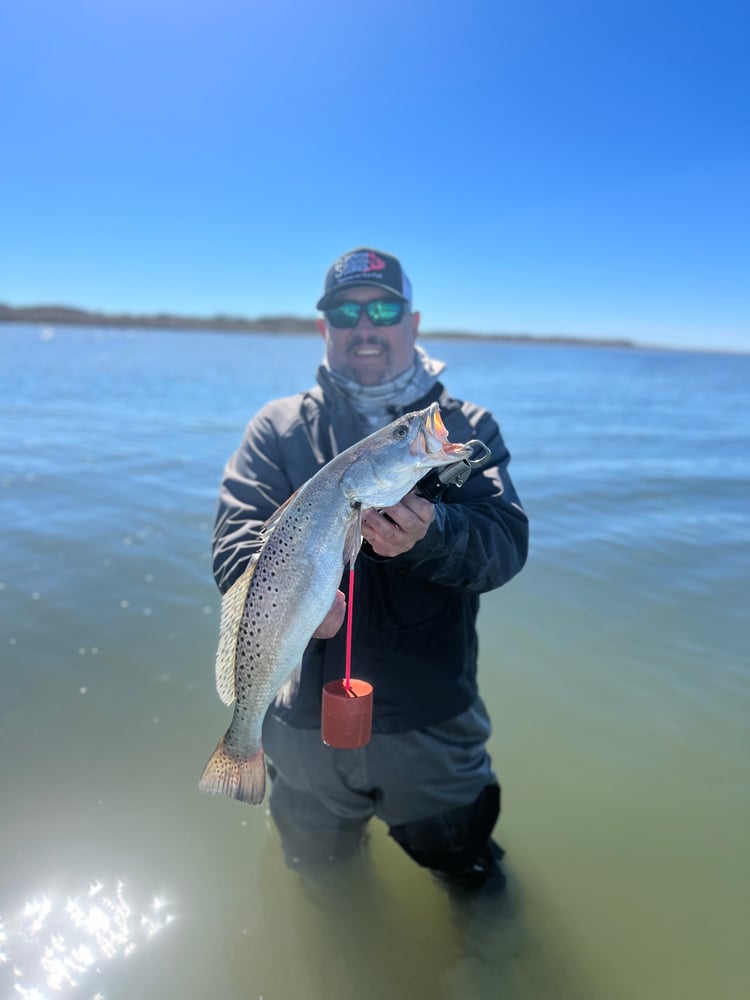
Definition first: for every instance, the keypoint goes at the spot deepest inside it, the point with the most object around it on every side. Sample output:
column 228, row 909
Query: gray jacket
column 414, row 635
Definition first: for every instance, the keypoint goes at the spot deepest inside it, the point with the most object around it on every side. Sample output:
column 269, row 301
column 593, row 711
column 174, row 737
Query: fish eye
column 401, row 431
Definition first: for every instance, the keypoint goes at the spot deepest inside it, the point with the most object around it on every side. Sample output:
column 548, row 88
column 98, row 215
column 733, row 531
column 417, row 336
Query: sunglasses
column 382, row 312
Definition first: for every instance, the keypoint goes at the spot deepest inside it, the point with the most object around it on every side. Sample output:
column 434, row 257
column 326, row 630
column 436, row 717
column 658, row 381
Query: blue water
column 615, row 668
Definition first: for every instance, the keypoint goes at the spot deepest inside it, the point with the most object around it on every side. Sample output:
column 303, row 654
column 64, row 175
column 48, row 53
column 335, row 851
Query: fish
column 270, row 613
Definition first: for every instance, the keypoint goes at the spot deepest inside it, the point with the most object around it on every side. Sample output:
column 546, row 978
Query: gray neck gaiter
column 379, row 404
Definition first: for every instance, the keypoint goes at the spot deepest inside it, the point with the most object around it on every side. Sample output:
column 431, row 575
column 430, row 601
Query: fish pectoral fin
column 353, row 539
column 232, row 608
column 288, row 690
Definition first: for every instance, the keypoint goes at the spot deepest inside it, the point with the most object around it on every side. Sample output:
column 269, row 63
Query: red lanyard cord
column 349, row 619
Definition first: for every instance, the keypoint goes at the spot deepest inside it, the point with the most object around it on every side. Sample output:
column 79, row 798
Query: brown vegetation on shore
column 68, row 316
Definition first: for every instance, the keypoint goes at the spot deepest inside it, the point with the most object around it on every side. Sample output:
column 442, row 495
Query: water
column 615, row 668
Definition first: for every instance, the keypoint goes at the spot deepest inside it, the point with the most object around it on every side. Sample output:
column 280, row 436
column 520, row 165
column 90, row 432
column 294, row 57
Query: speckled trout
column 270, row 613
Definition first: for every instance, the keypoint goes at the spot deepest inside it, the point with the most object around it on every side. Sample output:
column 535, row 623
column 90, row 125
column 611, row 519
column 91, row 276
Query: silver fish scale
column 267, row 649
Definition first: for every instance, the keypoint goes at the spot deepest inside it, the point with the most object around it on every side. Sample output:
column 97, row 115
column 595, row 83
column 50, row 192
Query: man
column 426, row 772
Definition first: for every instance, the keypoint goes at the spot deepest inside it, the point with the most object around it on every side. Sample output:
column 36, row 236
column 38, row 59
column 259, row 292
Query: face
column 366, row 353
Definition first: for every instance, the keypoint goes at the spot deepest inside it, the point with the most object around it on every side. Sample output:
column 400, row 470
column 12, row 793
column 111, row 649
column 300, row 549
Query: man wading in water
column 425, row 772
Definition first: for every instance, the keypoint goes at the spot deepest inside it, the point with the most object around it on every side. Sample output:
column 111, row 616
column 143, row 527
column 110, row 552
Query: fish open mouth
column 432, row 438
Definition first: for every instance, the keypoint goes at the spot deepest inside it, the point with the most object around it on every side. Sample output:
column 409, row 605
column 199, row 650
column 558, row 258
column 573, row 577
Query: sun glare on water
column 54, row 944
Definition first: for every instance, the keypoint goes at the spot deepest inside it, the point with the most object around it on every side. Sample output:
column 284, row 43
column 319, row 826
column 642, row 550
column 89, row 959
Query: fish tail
column 239, row 777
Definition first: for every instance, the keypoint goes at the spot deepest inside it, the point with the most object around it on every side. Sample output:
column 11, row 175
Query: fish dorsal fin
column 232, row 607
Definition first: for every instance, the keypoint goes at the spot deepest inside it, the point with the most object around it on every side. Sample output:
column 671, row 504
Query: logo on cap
column 358, row 263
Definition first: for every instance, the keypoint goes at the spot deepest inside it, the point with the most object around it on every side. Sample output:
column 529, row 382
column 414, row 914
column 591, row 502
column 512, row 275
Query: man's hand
column 333, row 620
column 406, row 523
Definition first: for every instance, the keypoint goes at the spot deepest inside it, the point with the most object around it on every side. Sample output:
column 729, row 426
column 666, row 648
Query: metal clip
column 433, row 485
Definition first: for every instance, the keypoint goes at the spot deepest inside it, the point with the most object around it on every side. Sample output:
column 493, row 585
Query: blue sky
column 547, row 167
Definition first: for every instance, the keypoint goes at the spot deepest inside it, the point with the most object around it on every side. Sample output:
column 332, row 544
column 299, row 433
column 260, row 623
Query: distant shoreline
column 56, row 315
column 69, row 316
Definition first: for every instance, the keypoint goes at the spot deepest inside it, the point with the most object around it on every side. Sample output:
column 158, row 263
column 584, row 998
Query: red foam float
column 346, row 720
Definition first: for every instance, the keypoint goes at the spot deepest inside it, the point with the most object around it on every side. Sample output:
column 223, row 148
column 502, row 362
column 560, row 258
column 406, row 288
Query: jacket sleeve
column 479, row 538
column 254, row 484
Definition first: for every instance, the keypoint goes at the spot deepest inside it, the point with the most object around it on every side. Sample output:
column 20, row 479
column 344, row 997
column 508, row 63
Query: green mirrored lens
column 345, row 314
column 384, row 313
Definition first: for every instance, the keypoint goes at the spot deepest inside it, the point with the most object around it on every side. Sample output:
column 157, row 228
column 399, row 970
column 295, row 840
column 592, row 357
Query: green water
column 614, row 667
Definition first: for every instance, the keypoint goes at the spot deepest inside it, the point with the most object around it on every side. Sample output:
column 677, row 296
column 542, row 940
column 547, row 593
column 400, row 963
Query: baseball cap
column 365, row 266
